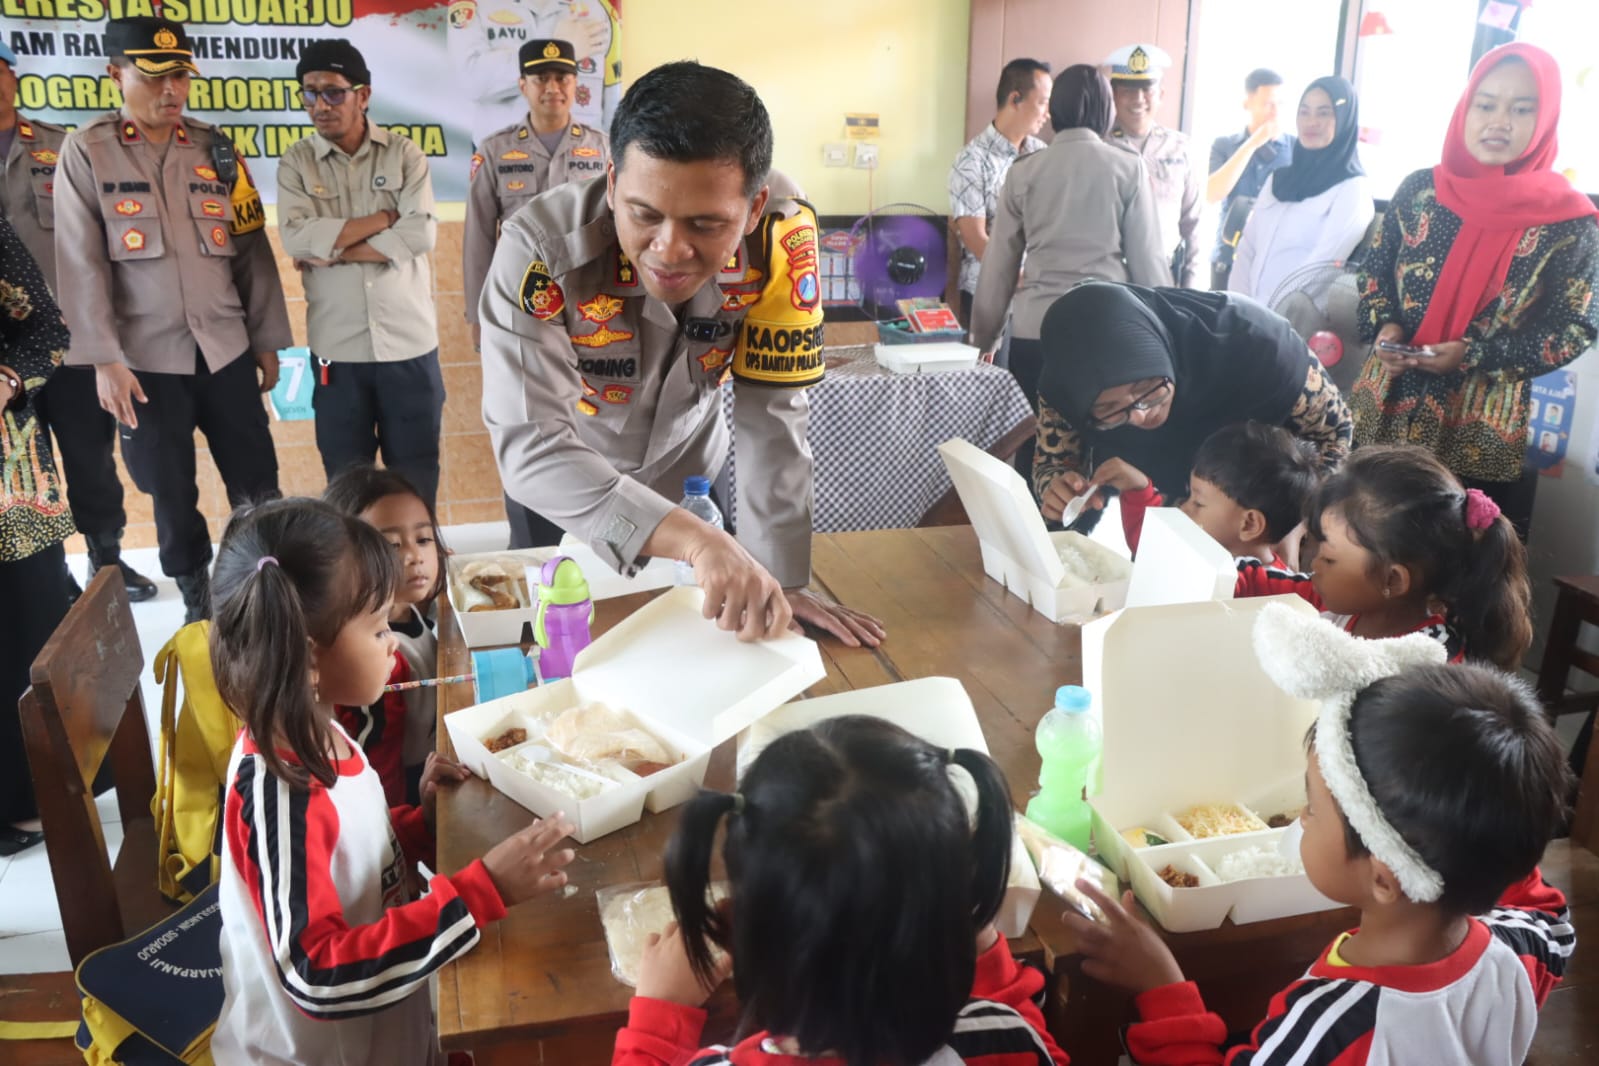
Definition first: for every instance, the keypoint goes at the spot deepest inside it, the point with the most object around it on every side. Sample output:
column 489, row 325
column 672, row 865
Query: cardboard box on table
column 938, row 710
column 1018, row 551
column 1189, row 717
column 1177, row 561
column 492, row 629
column 690, row 684
column 928, row 357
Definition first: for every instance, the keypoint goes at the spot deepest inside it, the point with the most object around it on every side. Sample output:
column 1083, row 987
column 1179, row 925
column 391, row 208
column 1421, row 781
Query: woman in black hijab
column 1314, row 211
column 1145, row 375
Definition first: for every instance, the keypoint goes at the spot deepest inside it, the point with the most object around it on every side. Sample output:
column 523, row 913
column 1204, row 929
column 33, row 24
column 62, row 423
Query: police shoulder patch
column 780, row 340
column 541, row 294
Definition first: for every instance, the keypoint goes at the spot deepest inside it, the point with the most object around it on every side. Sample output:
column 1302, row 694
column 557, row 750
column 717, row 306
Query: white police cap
column 1138, row 62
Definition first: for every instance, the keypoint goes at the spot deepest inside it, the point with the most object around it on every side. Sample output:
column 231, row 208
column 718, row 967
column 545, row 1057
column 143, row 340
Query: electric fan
column 900, row 252
column 1322, row 304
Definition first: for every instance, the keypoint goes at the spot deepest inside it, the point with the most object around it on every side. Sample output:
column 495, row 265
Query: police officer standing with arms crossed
column 515, row 164
column 85, row 435
column 1136, row 72
column 613, row 311
column 175, row 299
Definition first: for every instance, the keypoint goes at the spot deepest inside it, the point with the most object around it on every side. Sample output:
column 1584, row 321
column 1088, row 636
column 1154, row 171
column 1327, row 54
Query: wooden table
column 539, row 982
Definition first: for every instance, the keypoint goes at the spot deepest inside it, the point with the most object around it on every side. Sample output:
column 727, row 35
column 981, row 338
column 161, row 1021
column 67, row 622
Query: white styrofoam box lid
column 605, row 583
column 1001, row 508
column 1179, row 563
column 937, row 709
column 1188, row 714
column 672, row 666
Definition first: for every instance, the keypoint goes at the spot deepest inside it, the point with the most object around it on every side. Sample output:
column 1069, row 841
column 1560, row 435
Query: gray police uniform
column 600, row 401
column 1171, row 173
column 69, row 403
column 174, row 277
column 511, row 167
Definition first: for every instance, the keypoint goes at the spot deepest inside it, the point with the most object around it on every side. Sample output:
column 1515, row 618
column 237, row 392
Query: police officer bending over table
column 613, row 311
column 172, row 287
column 68, row 405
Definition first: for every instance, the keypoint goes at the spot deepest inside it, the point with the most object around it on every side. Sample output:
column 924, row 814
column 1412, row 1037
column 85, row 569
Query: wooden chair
column 85, row 710
column 1576, row 602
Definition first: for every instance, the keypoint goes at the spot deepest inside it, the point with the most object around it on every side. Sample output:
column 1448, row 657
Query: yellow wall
column 814, row 60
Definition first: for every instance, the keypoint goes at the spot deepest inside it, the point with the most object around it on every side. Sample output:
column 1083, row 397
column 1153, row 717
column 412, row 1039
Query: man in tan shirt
column 355, row 211
column 174, row 296
column 68, row 404
column 517, row 163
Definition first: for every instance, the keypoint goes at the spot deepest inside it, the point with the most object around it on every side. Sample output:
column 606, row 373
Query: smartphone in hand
column 1406, row 349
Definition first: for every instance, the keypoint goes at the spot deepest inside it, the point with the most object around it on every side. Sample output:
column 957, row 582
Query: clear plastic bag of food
column 1060, row 866
column 630, row 913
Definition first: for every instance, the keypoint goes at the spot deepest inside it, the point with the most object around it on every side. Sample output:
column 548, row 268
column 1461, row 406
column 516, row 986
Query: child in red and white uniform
column 1432, row 792
column 862, row 892
column 1248, row 490
column 1403, row 548
column 399, row 730
column 325, row 951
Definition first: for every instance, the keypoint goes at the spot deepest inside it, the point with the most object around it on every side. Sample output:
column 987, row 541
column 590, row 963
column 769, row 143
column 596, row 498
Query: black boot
column 196, row 589
column 105, row 549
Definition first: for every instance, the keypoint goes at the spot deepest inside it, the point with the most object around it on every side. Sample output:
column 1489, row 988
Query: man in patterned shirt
column 980, row 169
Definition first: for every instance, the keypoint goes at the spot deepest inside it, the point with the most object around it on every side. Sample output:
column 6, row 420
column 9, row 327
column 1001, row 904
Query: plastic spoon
column 1074, row 510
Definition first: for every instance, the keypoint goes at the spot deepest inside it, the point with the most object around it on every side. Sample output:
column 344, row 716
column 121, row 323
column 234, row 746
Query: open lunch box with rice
column 1203, row 764
column 634, row 725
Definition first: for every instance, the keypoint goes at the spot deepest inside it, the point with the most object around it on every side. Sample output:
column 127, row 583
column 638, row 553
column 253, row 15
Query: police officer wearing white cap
column 1136, row 72
column 68, row 405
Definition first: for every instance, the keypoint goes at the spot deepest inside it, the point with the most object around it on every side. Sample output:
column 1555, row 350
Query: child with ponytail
column 326, row 951
column 1402, row 548
column 863, row 887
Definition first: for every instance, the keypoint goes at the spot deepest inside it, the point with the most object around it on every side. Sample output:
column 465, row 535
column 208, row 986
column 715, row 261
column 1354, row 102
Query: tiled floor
column 31, row 940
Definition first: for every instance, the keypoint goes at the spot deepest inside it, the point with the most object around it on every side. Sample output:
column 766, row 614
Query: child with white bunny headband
column 1432, row 792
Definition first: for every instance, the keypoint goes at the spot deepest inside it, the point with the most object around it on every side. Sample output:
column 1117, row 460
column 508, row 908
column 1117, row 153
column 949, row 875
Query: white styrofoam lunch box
column 928, row 358
column 1019, row 551
column 688, row 683
column 1189, row 717
column 938, row 710
column 492, row 629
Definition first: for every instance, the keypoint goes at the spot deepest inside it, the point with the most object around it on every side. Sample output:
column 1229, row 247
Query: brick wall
column 469, row 485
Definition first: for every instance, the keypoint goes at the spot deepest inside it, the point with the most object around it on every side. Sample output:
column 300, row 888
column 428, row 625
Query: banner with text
column 443, row 74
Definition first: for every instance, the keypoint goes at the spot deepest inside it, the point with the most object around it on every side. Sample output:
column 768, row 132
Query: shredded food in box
column 1218, row 820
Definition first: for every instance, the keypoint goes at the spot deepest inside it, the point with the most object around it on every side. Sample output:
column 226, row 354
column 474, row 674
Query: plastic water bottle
column 1069, row 744
column 697, row 502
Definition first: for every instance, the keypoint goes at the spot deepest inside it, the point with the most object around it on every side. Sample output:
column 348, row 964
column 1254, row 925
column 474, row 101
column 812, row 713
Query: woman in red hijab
column 1489, row 262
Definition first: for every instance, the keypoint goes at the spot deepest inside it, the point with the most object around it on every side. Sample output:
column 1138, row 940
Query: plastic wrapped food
column 1206, row 820
column 1060, row 866
column 488, row 585
column 630, row 914
column 598, row 735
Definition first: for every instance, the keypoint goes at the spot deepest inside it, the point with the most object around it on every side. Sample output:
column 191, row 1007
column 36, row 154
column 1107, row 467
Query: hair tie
column 259, row 563
column 738, row 803
column 1481, row 511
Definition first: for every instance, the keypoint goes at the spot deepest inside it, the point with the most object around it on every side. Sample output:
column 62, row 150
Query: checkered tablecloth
column 875, row 436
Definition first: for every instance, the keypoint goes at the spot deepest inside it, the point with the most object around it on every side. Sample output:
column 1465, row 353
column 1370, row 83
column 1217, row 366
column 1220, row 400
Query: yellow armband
column 780, row 342
column 248, row 214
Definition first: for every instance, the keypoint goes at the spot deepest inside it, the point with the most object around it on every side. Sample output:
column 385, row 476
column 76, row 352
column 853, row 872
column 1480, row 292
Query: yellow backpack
column 195, row 746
